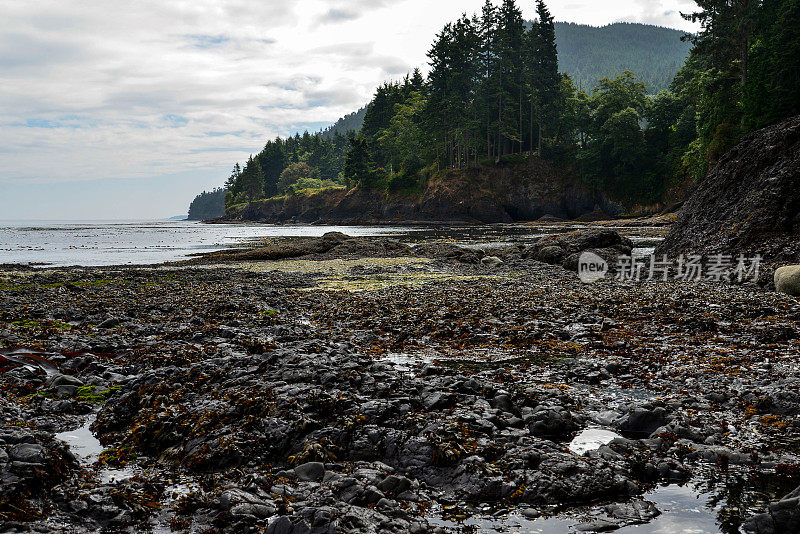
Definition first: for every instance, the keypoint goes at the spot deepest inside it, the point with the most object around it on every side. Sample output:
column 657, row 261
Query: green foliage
column 497, row 92
column 312, row 184
column 403, row 140
column 208, row 205
column 261, row 177
column 545, row 82
column 350, row 124
column 94, row 395
column 252, row 180
column 615, row 155
column 772, row 89
column 359, row 168
column 294, row 173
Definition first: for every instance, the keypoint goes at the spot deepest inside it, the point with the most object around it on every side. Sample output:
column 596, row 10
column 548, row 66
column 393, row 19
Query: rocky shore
column 496, row 194
column 345, row 385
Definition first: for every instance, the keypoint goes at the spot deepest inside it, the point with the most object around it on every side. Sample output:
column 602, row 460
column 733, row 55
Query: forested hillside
column 350, row 123
column 207, row 205
column 588, row 53
column 495, row 96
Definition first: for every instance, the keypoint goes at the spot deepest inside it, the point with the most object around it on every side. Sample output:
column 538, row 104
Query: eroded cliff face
column 749, row 203
column 523, row 192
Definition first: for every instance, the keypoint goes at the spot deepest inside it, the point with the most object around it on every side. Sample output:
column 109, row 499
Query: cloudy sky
column 112, row 109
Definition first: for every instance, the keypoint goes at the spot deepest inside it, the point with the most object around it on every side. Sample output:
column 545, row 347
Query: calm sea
column 93, row 243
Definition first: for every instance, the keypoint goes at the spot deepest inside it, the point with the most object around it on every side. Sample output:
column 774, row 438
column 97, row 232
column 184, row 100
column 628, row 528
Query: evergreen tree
column 489, row 85
column 545, row 79
column 508, row 46
column 358, row 166
column 252, row 179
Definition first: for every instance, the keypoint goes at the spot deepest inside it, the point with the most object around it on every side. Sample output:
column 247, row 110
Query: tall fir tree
column 545, row 80
column 510, row 32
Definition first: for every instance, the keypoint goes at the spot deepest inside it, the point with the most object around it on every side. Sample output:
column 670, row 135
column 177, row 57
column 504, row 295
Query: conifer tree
column 545, row 79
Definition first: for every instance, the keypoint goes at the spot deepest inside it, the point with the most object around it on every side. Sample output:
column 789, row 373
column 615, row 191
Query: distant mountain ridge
column 349, row 123
column 588, row 53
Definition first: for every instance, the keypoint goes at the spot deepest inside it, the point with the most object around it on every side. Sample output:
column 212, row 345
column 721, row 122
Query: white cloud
column 107, row 89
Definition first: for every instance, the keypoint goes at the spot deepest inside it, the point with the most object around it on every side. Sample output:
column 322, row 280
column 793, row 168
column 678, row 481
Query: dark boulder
column 782, row 516
column 749, row 203
column 643, row 421
column 565, row 249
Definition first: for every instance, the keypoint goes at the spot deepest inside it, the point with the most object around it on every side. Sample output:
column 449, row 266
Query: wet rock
column 551, row 422
column 394, row 485
column 782, row 516
column 565, row 249
column 65, row 385
column 530, row 513
column 599, row 525
column 552, row 254
column 448, row 252
column 638, row 511
column 643, row 421
column 31, row 465
column 310, row 472
column 281, row 525
column 27, row 452
column 111, row 322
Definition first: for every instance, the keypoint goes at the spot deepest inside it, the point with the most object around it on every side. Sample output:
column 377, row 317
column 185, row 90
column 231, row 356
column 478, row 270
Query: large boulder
column 787, row 280
column 565, row 249
column 749, row 203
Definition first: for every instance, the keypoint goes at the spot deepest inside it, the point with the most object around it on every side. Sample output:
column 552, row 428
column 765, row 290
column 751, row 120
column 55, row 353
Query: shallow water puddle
column 82, row 443
column 683, row 511
column 87, row 449
column 591, row 439
column 404, row 361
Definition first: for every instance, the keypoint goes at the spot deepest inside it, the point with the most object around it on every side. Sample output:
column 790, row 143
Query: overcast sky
column 112, row 109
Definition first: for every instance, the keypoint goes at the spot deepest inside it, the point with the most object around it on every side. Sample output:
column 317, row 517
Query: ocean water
column 97, row 243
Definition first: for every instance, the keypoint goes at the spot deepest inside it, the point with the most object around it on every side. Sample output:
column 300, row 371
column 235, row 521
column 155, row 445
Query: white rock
column 491, row 261
column 787, row 280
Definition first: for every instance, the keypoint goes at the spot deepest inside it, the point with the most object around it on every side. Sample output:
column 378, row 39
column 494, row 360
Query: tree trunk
column 520, row 119
column 540, row 138
column 744, row 62
column 530, row 139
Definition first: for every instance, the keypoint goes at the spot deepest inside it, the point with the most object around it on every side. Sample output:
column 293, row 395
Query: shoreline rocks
column 238, row 396
column 748, row 204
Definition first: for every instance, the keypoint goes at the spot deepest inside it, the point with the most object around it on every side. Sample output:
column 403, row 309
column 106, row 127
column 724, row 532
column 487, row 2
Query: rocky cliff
column 522, row 192
column 749, row 203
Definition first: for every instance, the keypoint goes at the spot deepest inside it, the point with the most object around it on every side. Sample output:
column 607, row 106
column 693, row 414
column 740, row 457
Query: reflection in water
column 737, row 495
column 714, row 503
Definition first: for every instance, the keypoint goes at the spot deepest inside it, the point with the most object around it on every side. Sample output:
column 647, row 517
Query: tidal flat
column 373, row 388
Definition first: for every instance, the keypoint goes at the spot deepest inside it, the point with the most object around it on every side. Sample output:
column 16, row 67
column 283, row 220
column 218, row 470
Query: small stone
column 491, row 261
column 310, row 472
column 530, row 513
column 600, row 525
column 27, row 452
